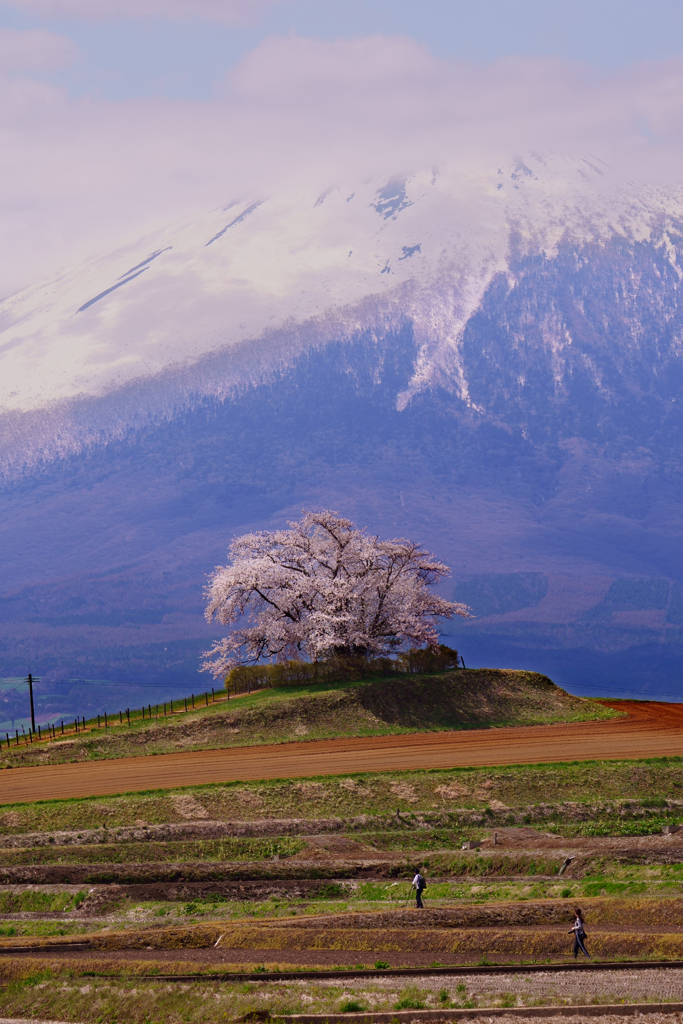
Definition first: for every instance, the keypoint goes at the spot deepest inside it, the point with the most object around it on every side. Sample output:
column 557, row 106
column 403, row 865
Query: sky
column 118, row 115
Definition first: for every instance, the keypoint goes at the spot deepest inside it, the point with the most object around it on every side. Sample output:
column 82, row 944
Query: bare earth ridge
column 648, row 729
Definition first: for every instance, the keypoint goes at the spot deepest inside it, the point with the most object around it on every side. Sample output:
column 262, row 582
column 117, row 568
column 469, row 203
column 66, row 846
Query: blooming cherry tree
column 321, row 589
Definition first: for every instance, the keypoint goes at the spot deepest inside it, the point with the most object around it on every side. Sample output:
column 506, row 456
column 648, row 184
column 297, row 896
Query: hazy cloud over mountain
column 80, row 169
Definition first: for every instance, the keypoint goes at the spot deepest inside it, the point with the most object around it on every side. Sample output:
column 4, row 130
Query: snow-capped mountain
column 487, row 358
column 261, row 278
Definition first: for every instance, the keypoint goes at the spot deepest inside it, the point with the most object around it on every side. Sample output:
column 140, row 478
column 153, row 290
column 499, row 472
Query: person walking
column 419, row 885
column 579, row 934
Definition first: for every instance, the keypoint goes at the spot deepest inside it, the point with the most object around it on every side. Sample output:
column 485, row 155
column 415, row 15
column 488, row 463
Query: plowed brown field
column 648, row 729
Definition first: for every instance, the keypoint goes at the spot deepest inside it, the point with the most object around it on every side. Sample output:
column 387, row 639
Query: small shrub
column 565, row 893
column 352, row 1006
column 429, row 659
column 381, row 965
column 331, row 891
column 410, row 999
column 339, row 670
column 444, row 996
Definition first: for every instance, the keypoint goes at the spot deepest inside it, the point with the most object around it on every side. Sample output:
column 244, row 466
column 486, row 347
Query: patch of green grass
column 37, row 901
column 227, row 849
column 352, row 1006
column 44, row 928
column 611, row 825
column 424, row 839
column 329, row 891
column 411, row 998
column 606, row 887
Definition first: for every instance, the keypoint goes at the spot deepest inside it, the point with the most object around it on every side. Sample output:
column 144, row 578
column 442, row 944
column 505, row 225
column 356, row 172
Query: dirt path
column 649, row 730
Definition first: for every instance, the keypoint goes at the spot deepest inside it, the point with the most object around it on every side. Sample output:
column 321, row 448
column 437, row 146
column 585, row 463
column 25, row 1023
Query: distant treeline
column 340, row 670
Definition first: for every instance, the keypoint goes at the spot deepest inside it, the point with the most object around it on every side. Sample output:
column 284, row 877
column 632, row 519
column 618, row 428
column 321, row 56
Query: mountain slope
column 508, row 392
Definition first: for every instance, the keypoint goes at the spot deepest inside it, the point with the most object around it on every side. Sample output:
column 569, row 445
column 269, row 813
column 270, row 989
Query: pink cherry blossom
column 323, row 588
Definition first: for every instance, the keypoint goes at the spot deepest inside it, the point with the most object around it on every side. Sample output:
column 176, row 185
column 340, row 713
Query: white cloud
column 229, row 11
column 82, row 175
column 35, row 50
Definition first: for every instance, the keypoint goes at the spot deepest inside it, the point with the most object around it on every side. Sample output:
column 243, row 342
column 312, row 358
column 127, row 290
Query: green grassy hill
column 462, row 699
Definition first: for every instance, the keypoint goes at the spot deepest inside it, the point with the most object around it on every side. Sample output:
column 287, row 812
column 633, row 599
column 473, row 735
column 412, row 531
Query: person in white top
column 419, row 885
column 579, row 934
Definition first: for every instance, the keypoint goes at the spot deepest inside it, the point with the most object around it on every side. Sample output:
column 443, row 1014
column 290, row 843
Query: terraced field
column 122, row 944
column 333, row 891
column 104, row 896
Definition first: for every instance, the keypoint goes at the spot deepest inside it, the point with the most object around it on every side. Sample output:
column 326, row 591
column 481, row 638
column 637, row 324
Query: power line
column 24, row 682
column 104, row 682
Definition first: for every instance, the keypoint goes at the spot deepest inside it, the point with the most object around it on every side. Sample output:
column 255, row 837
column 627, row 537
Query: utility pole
column 30, row 680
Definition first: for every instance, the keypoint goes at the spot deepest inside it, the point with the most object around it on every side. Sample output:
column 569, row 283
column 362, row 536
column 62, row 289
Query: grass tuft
column 352, row 1006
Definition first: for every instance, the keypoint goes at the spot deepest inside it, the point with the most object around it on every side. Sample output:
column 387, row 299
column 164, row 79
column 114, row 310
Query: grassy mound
column 474, row 699
column 462, row 699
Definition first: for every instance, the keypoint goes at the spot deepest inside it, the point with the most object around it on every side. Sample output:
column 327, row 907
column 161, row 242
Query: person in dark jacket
column 579, row 934
column 419, row 885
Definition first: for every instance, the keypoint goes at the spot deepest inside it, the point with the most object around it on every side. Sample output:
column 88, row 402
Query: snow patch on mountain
column 217, row 302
